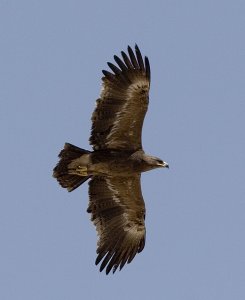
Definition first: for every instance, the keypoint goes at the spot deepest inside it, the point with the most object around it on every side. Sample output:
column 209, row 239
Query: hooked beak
column 163, row 165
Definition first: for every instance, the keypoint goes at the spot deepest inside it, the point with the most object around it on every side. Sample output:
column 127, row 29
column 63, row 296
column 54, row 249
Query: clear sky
column 51, row 57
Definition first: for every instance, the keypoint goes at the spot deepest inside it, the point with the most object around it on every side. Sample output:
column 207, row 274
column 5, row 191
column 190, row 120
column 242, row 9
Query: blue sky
column 51, row 57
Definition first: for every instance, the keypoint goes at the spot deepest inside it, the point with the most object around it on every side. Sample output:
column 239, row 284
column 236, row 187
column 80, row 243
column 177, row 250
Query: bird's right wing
column 120, row 111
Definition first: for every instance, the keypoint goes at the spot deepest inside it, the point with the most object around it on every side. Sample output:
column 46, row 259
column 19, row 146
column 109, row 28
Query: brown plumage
column 115, row 200
column 118, row 118
column 118, row 212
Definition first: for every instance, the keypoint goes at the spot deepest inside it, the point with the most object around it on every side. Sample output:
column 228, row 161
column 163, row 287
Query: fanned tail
column 61, row 172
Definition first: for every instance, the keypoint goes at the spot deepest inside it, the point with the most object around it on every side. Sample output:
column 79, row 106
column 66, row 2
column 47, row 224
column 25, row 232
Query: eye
column 160, row 161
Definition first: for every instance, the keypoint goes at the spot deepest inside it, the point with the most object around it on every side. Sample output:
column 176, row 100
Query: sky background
column 51, row 57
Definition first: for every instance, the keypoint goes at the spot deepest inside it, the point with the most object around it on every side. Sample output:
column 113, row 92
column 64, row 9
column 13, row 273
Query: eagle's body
column 116, row 164
column 111, row 163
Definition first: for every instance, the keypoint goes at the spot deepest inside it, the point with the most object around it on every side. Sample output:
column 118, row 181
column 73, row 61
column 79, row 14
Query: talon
column 82, row 171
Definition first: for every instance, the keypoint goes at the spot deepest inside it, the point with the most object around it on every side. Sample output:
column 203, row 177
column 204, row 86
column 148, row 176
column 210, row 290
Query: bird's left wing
column 118, row 211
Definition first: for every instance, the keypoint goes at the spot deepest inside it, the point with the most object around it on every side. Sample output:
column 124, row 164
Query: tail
column 61, row 172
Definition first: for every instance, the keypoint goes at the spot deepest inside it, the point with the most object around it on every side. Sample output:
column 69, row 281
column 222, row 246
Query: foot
column 82, row 171
column 79, row 170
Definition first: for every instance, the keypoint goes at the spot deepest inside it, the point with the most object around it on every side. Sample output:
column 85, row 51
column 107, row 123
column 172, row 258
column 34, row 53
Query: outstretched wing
column 119, row 114
column 118, row 212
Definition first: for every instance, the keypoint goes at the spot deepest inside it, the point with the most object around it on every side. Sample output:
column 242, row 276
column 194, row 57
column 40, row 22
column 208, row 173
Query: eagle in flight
column 115, row 165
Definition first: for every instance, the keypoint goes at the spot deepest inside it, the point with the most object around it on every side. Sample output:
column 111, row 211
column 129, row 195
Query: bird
column 115, row 163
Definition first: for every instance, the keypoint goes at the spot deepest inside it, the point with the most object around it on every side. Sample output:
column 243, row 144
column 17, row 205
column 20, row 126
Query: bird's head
column 154, row 162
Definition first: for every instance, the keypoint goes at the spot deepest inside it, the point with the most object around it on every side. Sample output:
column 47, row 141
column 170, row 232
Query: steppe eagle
column 115, row 165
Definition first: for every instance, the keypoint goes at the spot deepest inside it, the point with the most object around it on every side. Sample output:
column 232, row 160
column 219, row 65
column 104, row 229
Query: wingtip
column 130, row 49
column 147, row 68
column 108, row 75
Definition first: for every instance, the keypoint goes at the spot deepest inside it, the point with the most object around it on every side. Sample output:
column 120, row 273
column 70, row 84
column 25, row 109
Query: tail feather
column 60, row 172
